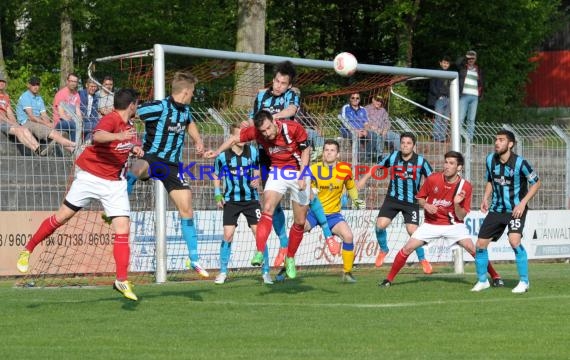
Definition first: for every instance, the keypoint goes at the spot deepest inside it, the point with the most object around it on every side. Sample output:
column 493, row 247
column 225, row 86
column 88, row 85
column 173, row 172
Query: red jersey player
column 446, row 199
column 101, row 175
column 286, row 144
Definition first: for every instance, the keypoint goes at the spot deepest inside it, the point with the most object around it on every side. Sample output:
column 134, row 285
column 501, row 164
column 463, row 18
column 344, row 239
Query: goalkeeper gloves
column 359, row 204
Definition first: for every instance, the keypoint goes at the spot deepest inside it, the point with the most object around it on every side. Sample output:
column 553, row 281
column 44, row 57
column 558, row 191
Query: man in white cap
column 470, row 90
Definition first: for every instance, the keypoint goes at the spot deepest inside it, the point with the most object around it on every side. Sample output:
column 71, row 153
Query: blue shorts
column 332, row 219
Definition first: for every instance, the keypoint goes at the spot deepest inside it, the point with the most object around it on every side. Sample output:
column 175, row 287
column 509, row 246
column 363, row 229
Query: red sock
column 399, row 262
column 490, row 269
column 295, row 238
column 47, row 227
column 122, row 254
column 263, row 230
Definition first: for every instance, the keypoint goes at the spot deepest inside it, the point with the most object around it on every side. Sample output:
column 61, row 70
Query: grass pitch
column 312, row 317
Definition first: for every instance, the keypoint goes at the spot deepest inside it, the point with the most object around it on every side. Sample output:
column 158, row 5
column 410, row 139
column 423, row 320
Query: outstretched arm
column 231, row 141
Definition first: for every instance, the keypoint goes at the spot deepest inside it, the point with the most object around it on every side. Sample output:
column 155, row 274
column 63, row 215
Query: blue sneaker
column 280, row 277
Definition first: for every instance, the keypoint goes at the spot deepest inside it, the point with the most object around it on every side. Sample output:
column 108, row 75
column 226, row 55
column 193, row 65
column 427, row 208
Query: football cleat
column 290, row 268
column 267, row 280
column 426, row 267
column 480, row 286
column 497, row 282
column 280, row 258
column 194, row 265
column 125, row 288
column 221, row 278
column 347, row 277
column 385, row 283
column 521, row 288
column 333, row 245
column 281, row 275
column 23, row 263
column 257, row 259
column 380, row 258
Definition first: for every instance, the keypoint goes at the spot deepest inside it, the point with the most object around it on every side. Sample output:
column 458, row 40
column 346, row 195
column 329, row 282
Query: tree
column 66, row 43
column 251, row 39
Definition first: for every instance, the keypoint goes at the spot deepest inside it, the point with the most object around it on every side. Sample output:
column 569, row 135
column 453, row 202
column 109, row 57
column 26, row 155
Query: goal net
column 80, row 252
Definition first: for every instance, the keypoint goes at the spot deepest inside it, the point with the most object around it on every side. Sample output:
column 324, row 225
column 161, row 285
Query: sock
column 382, row 238
column 47, row 227
column 263, row 231
column 189, row 235
column 122, row 255
column 295, row 238
column 481, row 263
column 265, row 265
column 490, row 269
column 131, row 180
column 279, row 226
column 399, row 262
column 421, row 253
column 225, row 253
column 347, row 256
column 319, row 212
column 522, row 262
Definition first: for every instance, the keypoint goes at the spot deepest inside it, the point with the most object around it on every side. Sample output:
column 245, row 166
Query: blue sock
column 265, row 266
column 225, row 253
column 279, row 226
column 421, row 253
column 481, row 262
column 189, row 235
column 319, row 212
column 522, row 262
column 131, row 180
column 382, row 238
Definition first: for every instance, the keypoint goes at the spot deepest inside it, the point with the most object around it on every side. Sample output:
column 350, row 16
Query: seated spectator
column 89, row 105
column 357, row 117
column 66, row 107
column 9, row 125
column 31, row 114
column 106, row 96
column 379, row 126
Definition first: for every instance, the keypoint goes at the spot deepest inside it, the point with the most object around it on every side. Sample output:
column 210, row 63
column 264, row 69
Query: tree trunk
column 66, row 43
column 249, row 77
column 406, row 37
column 2, row 63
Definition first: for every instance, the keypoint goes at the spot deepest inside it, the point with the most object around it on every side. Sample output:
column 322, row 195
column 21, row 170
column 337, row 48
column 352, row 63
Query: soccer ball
column 345, row 64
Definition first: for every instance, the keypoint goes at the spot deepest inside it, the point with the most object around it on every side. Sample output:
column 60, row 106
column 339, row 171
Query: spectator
column 438, row 99
column 378, row 127
column 66, row 107
column 314, row 136
column 31, row 113
column 470, row 90
column 8, row 123
column 89, row 105
column 357, row 117
column 106, row 96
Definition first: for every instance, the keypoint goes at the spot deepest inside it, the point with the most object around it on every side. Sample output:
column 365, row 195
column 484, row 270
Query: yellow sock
column 347, row 257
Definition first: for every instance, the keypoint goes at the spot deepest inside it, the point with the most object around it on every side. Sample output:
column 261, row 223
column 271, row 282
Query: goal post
column 161, row 51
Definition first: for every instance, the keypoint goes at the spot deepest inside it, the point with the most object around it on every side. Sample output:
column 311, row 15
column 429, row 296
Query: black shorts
column 392, row 207
column 250, row 209
column 495, row 223
column 167, row 172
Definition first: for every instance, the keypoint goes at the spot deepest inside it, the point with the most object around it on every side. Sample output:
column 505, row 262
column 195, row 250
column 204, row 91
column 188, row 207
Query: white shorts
column 112, row 193
column 449, row 233
column 281, row 180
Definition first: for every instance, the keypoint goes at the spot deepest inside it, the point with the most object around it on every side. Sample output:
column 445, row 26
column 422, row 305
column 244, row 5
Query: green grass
column 312, row 317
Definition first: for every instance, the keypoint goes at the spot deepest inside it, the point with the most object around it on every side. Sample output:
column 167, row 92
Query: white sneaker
column 481, row 286
column 267, row 278
column 521, row 288
column 221, row 278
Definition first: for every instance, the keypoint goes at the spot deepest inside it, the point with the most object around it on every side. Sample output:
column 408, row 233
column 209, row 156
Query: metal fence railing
column 31, row 182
